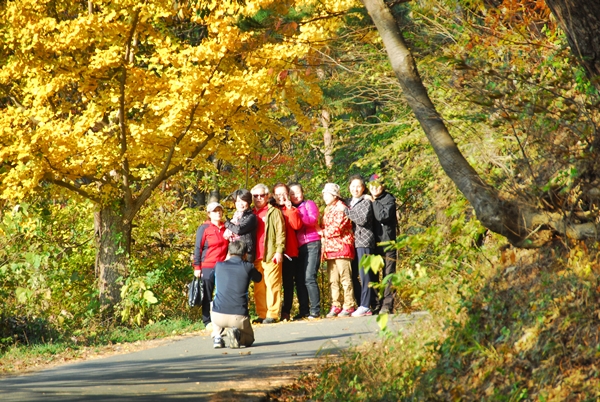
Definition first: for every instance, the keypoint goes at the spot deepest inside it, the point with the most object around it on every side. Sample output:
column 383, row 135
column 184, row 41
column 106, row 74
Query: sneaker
column 385, row 311
column 300, row 317
column 362, row 311
column 334, row 311
column 257, row 321
column 233, row 334
column 311, row 317
column 269, row 320
column 218, row 343
column 346, row 313
column 286, row 317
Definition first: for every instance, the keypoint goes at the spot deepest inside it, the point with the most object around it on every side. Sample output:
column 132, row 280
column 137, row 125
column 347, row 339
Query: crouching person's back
column 229, row 315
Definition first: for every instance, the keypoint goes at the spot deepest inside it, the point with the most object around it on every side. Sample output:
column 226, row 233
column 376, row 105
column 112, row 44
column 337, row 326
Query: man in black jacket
column 230, row 307
column 386, row 222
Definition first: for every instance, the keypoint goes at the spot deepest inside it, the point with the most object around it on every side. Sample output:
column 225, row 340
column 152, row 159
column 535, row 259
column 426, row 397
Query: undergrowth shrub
column 46, row 271
column 374, row 371
column 531, row 333
column 160, row 265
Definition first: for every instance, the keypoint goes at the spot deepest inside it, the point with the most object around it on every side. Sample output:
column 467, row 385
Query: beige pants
column 340, row 272
column 241, row 322
column 267, row 293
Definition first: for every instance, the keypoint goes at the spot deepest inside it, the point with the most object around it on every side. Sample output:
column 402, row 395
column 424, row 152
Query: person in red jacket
column 338, row 251
column 291, row 269
column 210, row 248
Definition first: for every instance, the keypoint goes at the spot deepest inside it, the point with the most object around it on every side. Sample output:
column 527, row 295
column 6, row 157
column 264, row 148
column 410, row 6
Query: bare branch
column 165, row 174
column 48, row 177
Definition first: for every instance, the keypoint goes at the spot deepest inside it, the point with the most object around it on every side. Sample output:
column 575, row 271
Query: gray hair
column 261, row 187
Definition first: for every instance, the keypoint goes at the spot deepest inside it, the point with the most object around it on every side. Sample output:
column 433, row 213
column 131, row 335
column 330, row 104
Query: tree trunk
column 327, row 139
column 580, row 20
column 113, row 245
column 498, row 215
column 215, row 194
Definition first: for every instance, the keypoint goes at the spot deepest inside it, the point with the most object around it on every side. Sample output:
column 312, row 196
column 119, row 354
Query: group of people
column 280, row 243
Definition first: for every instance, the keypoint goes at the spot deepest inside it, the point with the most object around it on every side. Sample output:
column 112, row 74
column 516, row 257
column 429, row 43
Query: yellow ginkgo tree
column 109, row 98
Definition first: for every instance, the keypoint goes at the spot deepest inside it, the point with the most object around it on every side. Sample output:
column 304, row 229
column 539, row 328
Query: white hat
column 332, row 189
column 213, row 205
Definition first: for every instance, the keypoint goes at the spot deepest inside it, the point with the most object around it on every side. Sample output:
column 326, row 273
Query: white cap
column 332, row 189
column 212, row 206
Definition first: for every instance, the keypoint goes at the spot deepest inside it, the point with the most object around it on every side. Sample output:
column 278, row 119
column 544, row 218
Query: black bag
column 195, row 292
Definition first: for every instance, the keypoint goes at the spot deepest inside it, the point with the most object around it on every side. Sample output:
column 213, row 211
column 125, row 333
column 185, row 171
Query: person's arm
column 334, row 227
column 311, row 218
column 294, row 218
column 255, row 275
column 198, row 246
column 247, row 224
column 361, row 213
column 279, row 228
column 384, row 209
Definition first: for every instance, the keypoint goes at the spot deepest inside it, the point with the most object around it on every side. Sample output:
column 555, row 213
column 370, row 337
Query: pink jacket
column 309, row 213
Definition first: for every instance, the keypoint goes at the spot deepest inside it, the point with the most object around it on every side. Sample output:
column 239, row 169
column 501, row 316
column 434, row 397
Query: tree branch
column 165, row 172
column 48, row 177
column 122, row 128
column 163, row 175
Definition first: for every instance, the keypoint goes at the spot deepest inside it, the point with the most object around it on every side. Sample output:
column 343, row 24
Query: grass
column 374, row 371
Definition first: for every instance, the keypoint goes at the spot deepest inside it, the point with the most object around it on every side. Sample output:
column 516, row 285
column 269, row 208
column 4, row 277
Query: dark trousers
column 356, row 279
column 293, row 276
column 389, row 293
column 208, row 287
column 367, row 295
column 310, row 260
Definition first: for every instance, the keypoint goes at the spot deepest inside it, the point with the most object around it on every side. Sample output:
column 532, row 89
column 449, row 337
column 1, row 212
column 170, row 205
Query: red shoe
column 334, row 312
column 347, row 313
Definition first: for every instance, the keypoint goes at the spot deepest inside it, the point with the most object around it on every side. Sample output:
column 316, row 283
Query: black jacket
column 246, row 229
column 384, row 212
column 232, row 278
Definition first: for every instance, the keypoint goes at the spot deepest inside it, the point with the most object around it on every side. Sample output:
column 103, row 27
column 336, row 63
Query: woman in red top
column 291, row 268
column 210, row 248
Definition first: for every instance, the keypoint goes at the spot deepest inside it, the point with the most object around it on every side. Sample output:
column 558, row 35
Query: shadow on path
column 190, row 369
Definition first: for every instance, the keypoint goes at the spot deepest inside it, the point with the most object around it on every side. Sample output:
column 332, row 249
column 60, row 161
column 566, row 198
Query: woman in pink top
column 309, row 251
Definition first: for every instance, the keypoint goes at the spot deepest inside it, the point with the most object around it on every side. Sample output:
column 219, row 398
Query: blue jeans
column 310, row 260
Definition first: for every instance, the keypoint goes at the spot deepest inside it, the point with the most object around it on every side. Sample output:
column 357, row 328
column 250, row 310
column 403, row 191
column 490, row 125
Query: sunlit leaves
column 91, row 90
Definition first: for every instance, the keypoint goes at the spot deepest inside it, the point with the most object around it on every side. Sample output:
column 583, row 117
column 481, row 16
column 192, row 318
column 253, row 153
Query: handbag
column 195, row 292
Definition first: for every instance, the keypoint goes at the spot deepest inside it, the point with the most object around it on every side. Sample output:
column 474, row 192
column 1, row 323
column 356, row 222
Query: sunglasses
column 259, row 195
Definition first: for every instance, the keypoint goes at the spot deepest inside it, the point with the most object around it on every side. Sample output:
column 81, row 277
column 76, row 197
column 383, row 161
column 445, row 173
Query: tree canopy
column 109, row 98
column 112, row 98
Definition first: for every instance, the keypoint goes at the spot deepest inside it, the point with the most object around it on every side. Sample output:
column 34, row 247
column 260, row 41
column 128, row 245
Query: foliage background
column 506, row 324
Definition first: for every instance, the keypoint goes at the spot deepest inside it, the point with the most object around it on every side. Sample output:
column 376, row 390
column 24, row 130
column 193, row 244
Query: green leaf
column 372, row 262
column 382, row 321
column 23, row 294
column 124, row 291
column 149, row 297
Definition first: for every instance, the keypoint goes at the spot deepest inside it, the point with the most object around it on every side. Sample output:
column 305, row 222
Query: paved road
column 190, row 369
